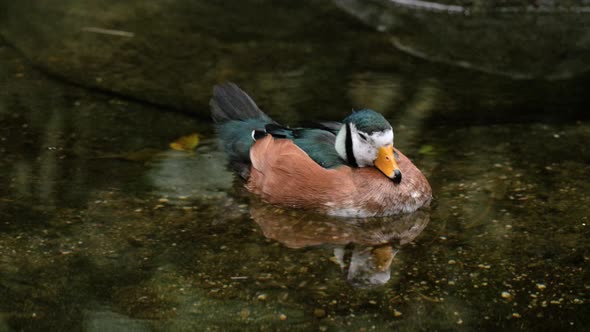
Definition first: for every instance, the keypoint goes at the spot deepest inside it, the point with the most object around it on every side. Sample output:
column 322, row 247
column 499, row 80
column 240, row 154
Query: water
column 103, row 227
column 501, row 37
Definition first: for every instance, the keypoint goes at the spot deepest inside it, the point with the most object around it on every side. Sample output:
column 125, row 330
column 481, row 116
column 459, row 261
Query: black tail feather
column 229, row 102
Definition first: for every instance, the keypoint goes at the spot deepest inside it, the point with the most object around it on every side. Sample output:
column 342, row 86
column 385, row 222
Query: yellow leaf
column 186, row 143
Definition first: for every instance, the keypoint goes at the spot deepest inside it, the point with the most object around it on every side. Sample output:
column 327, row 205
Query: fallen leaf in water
column 186, row 143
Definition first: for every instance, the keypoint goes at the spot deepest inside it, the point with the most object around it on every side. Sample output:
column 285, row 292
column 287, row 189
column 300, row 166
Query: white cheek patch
column 364, row 150
column 365, row 154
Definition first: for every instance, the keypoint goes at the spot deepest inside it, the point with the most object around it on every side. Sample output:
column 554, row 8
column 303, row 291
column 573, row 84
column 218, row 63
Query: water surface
column 104, row 227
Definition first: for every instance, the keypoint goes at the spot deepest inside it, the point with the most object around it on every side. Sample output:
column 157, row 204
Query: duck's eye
column 363, row 136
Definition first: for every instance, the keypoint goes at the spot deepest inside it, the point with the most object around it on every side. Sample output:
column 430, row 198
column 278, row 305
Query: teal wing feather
column 236, row 139
column 236, row 115
column 317, row 143
column 239, row 121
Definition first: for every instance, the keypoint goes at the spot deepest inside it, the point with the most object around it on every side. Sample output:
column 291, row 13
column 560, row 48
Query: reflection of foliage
column 427, row 149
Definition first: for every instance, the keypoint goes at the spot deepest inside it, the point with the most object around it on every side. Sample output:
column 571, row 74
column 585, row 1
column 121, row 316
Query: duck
column 344, row 169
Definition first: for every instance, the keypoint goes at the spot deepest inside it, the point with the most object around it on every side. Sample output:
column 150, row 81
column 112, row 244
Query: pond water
column 103, row 227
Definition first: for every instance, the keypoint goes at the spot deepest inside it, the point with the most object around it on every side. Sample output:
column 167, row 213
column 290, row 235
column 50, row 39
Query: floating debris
column 245, row 313
column 319, row 312
column 111, row 32
column 238, row 278
column 506, row 295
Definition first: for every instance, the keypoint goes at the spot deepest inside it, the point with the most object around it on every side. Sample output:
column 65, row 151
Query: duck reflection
column 364, row 248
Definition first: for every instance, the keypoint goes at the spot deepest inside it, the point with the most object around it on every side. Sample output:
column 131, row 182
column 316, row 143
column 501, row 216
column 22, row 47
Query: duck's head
column 366, row 139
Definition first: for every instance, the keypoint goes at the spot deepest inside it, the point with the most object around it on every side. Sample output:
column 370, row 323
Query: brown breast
column 283, row 174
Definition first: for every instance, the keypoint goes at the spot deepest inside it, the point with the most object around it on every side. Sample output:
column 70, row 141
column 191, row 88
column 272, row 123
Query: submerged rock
column 172, row 53
column 519, row 39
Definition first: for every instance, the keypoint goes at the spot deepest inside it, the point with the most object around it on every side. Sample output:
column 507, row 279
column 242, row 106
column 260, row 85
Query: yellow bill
column 386, row 163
